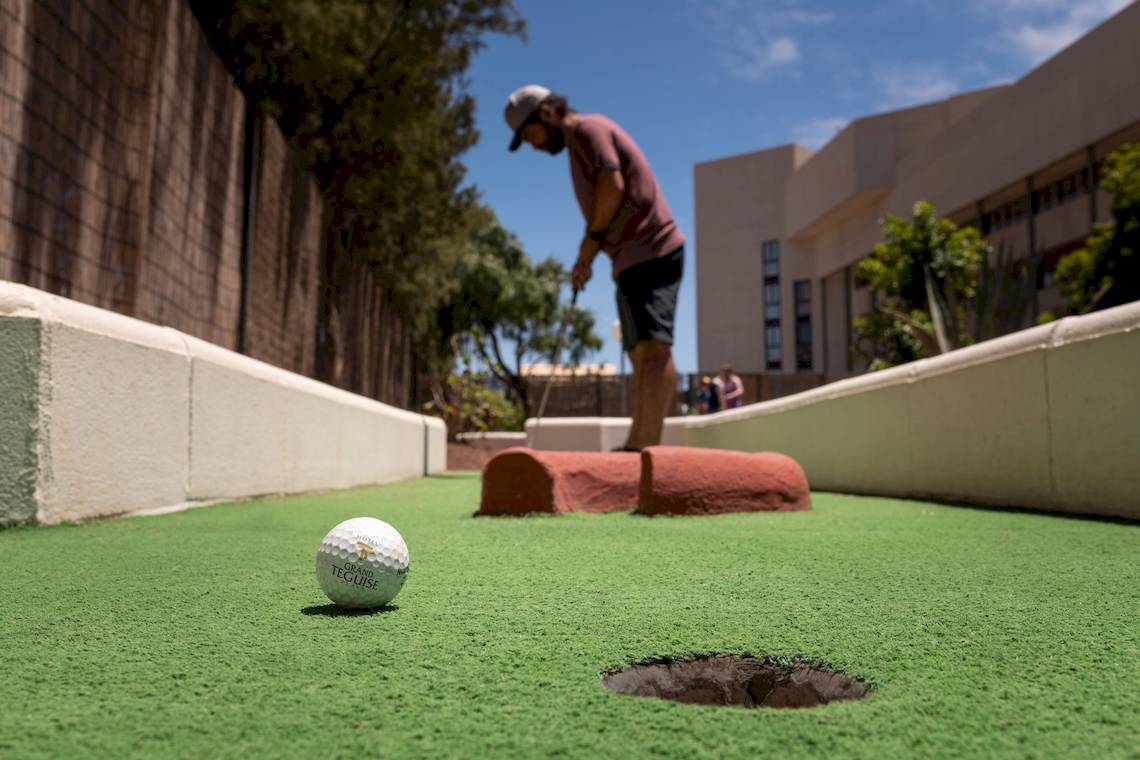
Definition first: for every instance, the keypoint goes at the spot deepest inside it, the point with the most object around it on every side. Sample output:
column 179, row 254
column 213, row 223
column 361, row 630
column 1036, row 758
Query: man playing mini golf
column 628, row 218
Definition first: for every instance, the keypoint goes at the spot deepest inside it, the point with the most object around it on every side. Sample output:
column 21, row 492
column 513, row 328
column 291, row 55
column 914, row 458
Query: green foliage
column 886, row 341
column 1106, row 271
column 1076, row 272
column 924, row 274
column 1120, row 176
column 372, row 95
column 505, row 309
column 467, row 404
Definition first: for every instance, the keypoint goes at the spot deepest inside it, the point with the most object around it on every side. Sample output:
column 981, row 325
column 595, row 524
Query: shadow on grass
column 457, row 475
column 332, row 610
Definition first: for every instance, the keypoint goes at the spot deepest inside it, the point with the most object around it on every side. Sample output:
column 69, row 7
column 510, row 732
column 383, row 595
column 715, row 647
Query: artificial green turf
column 204, row 633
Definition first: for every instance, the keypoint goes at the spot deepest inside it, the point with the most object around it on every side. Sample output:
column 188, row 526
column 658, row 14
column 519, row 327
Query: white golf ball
column 362, row 563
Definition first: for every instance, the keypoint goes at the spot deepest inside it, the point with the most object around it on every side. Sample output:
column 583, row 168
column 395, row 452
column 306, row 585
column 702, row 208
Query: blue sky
column 694, row 80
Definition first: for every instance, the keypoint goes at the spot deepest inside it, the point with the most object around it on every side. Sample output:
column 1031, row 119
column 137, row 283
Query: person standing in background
column 708, row 396
column 732, row 389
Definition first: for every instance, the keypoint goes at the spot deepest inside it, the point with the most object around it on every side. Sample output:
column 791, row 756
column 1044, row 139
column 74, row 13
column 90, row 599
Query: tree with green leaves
column 1106, row 271
column 372, row 95
column 923, row 275
column 507, row 310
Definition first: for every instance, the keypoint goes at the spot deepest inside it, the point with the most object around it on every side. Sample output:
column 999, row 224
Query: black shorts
column 647, row 299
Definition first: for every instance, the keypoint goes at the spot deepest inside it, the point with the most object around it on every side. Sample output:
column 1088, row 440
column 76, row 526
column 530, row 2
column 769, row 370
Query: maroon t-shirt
column 643, row 227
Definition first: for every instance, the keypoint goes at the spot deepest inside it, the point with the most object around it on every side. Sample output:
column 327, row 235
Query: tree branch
column 938, row 313
column 1091, row 305
column 496, row 369
column 928, row 341
column 499, row 355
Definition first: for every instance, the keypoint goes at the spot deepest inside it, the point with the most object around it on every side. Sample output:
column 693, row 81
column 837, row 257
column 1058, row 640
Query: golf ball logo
column 362, row 563
column 357, row 576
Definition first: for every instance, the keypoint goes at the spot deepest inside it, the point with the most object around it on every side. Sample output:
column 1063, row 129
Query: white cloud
column 817, row 132
column 793, row 17
column 783, row 50
column 1026, row 4
column 753, row 38
column 1055, row 25
column 752, row 57
column 763, row 13
column 1036, row 43
column 912, row 84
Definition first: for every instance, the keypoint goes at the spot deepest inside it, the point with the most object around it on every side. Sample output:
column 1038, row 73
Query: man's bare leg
column 635, row 393
column 654, row 387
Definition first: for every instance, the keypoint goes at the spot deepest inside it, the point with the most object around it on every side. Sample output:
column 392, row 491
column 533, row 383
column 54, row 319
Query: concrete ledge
column 435, row 445
column 493, row 441
column 1047, row 418
column 592, row 433
column 101, row 414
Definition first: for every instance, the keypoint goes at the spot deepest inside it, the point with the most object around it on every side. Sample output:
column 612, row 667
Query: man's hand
column 584, row 268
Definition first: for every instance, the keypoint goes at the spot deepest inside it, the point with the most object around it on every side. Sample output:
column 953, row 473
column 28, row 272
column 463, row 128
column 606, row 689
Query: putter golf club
column 557, row 351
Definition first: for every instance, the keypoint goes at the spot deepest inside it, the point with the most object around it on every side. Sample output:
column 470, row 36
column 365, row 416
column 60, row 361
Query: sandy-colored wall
column 1045, row 419
column 850, row 238
column 825, row 181
column 857, row 165
column 739, row 205
column 1071, row 101
column 836, row 321
column 103, row 414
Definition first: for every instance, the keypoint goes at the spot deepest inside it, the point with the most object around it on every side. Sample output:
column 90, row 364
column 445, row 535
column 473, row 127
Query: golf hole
column 737, row 681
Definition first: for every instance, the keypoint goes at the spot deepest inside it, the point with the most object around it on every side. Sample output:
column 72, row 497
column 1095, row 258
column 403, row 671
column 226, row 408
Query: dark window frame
column 773, row 340
column 804, row 348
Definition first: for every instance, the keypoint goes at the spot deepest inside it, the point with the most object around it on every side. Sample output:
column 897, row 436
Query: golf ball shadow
column 333, row 610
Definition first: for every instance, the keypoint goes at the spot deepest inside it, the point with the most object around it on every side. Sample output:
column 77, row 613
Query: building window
column 772, row 302
column 771, row 249
column 803, row 324
column 773, row 350
column 772, row 347
column 1063, row 190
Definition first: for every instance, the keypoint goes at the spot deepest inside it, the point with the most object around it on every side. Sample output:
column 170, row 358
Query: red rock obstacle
column 519, row 481
column 683, row 480
column 662, row 480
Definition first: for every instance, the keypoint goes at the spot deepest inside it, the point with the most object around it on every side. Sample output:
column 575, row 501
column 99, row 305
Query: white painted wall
column 1048, row 418
column 592, row 433
column 102, row 414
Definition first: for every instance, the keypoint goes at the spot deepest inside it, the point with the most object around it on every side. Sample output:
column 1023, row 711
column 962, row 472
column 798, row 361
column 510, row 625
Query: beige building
column 779, row 231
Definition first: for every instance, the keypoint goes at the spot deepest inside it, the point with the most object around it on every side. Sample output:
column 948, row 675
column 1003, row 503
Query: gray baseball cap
column 521, row 105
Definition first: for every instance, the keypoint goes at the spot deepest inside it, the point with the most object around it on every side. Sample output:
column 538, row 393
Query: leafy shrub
column 467, row 404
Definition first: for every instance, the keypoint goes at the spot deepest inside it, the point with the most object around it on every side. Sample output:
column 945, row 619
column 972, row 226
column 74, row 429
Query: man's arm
column 607, row 199
column 608, row 195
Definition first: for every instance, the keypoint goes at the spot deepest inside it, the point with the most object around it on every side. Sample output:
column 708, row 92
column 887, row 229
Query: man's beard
column 555, row 141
